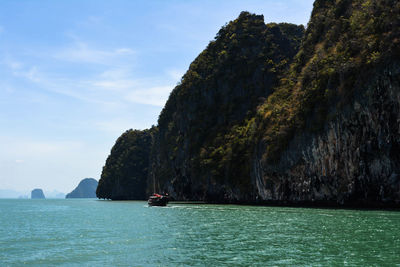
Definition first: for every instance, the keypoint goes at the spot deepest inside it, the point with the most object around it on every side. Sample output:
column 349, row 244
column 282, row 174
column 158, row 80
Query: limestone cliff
column 336, row 139
column 197, row 151
column 327, row 133
column 354, row 160
column 270, row 113
column 125, row 173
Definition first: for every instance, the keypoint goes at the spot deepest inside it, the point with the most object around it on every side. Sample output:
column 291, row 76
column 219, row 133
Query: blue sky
column 76, row 74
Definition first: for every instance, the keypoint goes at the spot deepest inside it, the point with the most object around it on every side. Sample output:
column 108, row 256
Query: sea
column 89, row 232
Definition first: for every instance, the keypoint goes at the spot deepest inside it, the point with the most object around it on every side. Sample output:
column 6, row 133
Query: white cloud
column 81, row 52
column 31, row 74
column 124, row 51
column 135, row 90
column 156, row 96
column 114, row 80
column 11, row 63
column 20, row 70
column 70, row 87
column 113, row 87
column 131, row 89
column 15, row 65
column 110, row 89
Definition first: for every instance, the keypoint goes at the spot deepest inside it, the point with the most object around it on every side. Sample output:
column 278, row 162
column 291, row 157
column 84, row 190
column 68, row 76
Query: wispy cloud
column 11, row 64
column 156, row 96
column 31, row 74
column 116, row 79
column 15, row 65
column 20, row 69
column 111, row 88
column 136, row 90
column 81, row 52
column 69, row 87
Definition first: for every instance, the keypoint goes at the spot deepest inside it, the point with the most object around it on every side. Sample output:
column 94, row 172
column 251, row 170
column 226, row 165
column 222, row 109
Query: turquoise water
column 105, row 233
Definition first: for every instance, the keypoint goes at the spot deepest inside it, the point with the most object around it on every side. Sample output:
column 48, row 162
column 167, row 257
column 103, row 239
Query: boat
column 158, row 200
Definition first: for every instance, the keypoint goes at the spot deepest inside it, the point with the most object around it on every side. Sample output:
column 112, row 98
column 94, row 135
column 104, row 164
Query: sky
column 76, row 74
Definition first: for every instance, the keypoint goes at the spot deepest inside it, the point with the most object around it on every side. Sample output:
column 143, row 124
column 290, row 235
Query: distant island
column 37, row 194
column 85, row 189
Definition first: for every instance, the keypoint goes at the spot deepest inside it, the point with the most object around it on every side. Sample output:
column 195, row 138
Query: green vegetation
column 204, row 136
column 248, row 94
column 345, row 41
column 125, row 174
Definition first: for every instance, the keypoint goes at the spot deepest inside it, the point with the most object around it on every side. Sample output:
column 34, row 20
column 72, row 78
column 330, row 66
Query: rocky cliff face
column 85, row 189
column 337, row 141
column 199, row 149
column 355, row 160
column 268, row 113
column 327, row 133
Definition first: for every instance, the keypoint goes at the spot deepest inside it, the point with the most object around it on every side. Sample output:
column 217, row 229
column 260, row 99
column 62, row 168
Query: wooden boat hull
column 158, row 201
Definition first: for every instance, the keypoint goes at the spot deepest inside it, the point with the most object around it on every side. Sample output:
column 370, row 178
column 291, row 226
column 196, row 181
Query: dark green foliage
column 125, row 174
column 203, row 131
column 344, row 42
column 247, row 95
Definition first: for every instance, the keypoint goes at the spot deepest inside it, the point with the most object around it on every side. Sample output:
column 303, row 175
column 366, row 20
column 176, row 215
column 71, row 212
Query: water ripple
column 98, row 233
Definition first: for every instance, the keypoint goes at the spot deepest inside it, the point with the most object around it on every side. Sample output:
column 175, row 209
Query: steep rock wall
column 355, row 160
